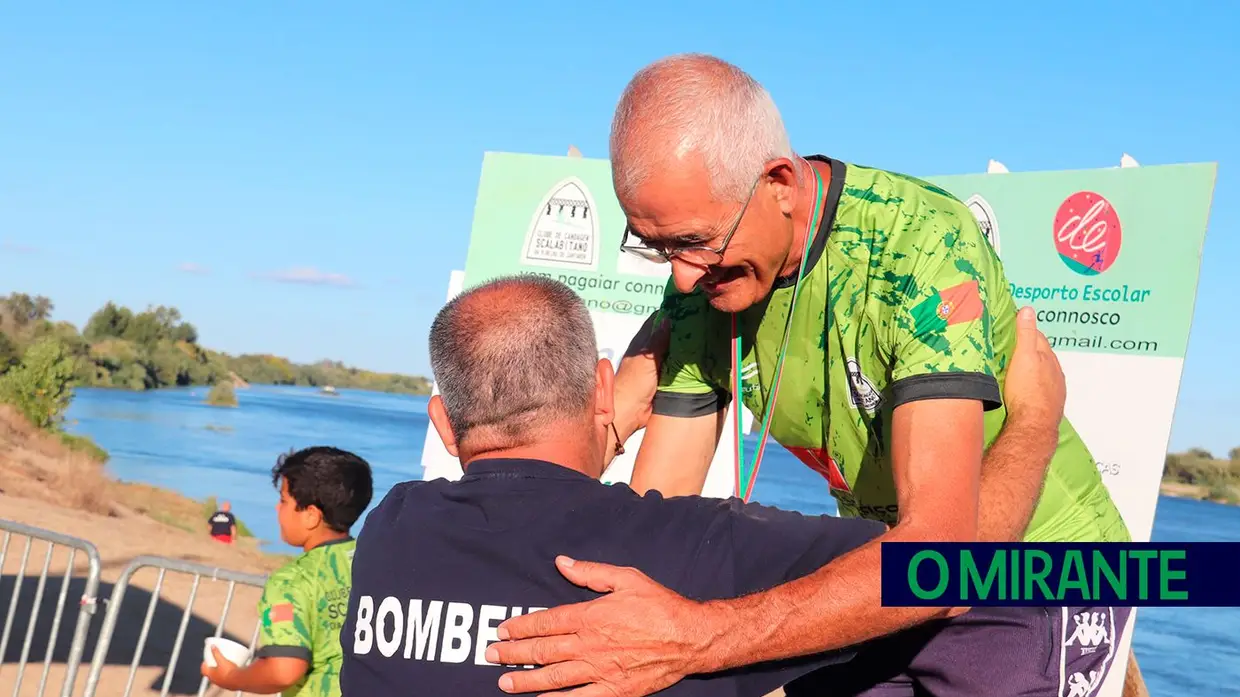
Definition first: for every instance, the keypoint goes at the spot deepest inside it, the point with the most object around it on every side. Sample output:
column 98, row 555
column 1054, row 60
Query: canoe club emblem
column 564, row 230
column 986, row 220
column 861, row 394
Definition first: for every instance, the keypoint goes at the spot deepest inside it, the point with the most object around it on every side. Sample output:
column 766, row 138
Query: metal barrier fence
column 198, row 572
column 86, row 602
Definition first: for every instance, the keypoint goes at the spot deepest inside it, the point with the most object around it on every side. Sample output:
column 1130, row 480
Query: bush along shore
column 156, row 347
column 1198, row 474
column 222, row 394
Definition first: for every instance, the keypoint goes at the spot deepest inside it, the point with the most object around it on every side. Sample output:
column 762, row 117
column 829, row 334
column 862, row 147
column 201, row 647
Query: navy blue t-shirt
column 439, row 565
column 222, row 523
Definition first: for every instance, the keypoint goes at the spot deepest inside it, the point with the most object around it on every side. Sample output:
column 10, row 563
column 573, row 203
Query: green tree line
column 41, row 360
column 1219, row 477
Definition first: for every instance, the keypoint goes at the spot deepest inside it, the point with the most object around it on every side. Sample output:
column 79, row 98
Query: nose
column 686, row 275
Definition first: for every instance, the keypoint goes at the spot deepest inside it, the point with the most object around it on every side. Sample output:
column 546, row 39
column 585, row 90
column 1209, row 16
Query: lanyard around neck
column 744, row 485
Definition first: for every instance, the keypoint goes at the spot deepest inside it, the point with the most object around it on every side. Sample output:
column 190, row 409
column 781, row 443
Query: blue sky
column 299, row 178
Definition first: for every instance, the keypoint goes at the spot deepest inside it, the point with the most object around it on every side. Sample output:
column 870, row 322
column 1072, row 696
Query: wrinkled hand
column 223, row 671
column 637, row 378
column 636, row 640
column 1035, row 390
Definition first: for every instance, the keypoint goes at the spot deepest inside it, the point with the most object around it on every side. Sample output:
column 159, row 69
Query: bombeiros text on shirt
column 429, row 630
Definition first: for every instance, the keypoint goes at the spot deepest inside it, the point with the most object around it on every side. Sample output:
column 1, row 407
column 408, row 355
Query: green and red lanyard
column 738, row 381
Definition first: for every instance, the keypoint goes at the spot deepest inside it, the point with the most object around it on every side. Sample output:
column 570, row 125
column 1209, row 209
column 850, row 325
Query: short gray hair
column 694, row 103
column 512, row 355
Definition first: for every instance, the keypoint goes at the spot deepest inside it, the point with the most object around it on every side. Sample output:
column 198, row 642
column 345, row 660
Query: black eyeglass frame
column 700, row 255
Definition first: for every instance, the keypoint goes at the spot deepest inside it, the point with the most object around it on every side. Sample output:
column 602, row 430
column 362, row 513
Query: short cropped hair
column 695, row 103
column 335, row 481
column 513, row 355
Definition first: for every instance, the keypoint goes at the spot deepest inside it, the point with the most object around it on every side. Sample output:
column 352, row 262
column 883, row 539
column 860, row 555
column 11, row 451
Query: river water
column 170, row 438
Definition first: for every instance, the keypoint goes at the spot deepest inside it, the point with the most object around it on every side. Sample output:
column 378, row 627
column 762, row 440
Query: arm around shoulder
column 1015, row 466
column 675, row 454
column 676, row 378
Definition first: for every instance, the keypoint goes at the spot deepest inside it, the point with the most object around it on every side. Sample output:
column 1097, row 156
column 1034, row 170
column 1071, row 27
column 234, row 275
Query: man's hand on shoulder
column 1014, row 471
column 1034, row 390
column 597, row 643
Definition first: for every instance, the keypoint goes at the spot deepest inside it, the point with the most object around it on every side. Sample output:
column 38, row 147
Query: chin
column 737, row 296
column 732, row 301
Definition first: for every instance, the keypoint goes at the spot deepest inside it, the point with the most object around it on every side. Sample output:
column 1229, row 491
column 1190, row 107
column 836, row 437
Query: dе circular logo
column 1087, row 233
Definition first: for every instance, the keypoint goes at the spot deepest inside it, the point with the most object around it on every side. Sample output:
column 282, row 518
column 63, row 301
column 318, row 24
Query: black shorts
column 986, row 652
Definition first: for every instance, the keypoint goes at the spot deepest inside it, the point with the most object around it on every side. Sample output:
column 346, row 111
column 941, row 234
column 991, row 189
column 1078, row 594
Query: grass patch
column 84, row 445
column 1223, row 493
column 172, row 521
column 222, row 394
column 81, row 484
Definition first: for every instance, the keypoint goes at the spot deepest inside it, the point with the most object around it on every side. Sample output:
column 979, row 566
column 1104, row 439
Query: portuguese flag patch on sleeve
column 281, row 613
column 956, row 305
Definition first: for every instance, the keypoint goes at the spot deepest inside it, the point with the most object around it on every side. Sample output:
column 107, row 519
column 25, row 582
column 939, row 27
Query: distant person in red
column 223, row 524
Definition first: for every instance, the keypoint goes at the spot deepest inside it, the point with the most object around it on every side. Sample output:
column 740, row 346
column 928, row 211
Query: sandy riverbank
column 44, row 484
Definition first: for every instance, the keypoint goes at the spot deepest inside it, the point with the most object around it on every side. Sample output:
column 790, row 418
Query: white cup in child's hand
column 234, row 653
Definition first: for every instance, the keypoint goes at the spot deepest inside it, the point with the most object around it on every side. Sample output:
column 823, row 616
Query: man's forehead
column 665, row 207
column 688, row 230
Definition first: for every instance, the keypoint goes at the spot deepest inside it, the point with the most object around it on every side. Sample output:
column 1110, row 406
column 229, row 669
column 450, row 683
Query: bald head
column 695, row 110
column 513, row 356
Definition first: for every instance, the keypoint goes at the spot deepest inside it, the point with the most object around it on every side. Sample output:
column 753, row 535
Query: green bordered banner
column 1109, row 258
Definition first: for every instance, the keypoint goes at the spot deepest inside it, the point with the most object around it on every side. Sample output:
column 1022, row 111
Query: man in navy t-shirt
column 526, row 405
column 223, row 524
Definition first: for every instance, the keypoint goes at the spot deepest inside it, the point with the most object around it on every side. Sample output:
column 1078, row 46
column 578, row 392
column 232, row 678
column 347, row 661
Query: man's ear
column 604, row 397
column 439, row 419
column 781, row 173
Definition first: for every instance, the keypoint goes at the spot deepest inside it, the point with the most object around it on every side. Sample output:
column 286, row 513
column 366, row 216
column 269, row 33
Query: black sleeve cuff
column 687, row 406
column 283, row 652
column 977, row 386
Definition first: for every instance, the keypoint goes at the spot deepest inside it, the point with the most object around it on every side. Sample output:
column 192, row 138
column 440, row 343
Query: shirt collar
column 521, row 468
column 340, row 540
column 834, row 189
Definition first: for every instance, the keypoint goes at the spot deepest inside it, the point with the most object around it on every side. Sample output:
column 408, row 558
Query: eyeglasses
column 698, row 255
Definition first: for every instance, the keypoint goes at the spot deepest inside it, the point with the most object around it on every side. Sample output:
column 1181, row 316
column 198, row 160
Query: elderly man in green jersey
column 866, row 322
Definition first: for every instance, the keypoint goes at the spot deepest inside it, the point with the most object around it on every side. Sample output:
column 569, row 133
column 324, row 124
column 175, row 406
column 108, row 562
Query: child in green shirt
column 323, row 491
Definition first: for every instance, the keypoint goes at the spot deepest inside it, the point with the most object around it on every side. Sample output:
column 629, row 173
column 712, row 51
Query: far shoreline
column 254, row 386
column 1192, row 492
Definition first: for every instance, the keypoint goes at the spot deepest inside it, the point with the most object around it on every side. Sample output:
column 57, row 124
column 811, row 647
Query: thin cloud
column 17, row 247
column 191, row 267
column 309, row 276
